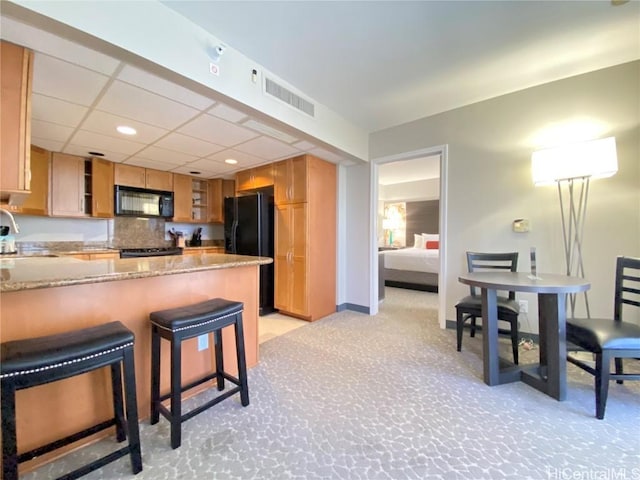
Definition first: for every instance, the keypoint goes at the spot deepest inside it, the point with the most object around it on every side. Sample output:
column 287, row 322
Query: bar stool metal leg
column 242, row 365
column 132, row 411
column 176, row 391
column 155, row 375
column 9, row 447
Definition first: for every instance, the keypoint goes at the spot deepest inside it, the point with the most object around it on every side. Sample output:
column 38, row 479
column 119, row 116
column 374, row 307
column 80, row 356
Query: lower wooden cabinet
column 94, row 256
column 291, row 260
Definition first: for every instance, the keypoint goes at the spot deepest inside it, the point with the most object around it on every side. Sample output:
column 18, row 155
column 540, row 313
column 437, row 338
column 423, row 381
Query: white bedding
column 413, row 259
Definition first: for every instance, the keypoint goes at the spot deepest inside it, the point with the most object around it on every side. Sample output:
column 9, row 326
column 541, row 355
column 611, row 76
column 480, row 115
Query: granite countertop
column 38, row 271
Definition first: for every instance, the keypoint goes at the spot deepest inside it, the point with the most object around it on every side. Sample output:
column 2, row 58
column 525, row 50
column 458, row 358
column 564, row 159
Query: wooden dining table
column 549, row 375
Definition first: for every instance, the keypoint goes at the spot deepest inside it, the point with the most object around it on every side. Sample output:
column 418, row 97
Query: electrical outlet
column 524, row 306
column 203, row 342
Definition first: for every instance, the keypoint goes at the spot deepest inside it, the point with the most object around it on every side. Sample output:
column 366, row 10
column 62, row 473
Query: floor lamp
column 571, row 167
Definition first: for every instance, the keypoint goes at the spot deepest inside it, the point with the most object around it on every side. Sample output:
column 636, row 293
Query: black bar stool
column 36, row 361
column 178, row 324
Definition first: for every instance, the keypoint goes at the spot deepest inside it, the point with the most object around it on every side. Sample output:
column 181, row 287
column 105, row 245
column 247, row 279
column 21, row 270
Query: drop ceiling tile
column 304, row 146
column 166, row 156
column 206, row 164
column 106, row 123
column 244, row 159
column 138, row 104
column 50, row 131
column 98, row 142
column 170, row 90
column 267, row 148
column 183, row 143
column 147, row 163
column 83, row 151
column 47, row 144
column 227, row 113
column 187, row 170
column 214, row 130
column 66, row 81
column 56, row 111
column 50, row 44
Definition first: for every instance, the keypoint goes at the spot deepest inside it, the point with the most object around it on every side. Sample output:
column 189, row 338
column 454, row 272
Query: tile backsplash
column 132, row 232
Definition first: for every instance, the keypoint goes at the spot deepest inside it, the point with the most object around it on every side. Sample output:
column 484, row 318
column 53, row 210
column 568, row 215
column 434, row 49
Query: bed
column 414, row 268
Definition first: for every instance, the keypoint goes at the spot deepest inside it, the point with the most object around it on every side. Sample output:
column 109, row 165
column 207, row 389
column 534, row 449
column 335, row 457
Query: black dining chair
column 609, row 338
column 469, row 309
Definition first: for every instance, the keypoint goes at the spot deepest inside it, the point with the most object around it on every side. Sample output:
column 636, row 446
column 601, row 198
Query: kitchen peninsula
column 48, row 295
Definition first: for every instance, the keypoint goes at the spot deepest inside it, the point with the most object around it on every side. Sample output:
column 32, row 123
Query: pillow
column 432, row 245
column 418, row 241
column 430, row 237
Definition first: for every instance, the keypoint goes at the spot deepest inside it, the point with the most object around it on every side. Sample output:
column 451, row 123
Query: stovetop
column 149, row 252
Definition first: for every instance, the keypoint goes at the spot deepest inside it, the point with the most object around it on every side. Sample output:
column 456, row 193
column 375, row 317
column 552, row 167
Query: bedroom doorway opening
column 409, row 223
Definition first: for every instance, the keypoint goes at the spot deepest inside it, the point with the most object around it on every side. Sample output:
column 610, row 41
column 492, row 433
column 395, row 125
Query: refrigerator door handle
column 234, row 228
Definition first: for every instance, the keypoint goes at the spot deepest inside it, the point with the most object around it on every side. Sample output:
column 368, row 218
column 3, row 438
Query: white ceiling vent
column 288, row 97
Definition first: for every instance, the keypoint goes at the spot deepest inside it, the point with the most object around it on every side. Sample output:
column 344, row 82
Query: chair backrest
column 627, row 285
column 480, row 262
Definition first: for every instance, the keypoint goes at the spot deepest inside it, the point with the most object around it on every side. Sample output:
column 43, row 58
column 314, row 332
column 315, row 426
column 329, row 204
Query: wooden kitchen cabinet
column 37, row 203
column 158, row 180
column 129, row 175
column 94, row 256
column 219, row 189
column 102, row 178
column 133, row 176
column 290, row 249
column 67, row 185
column 253, row 178
column 305, row 246
column 199, row 200
column 81, row 187
column 290, row 180
column 16, row 65
column 182, row 198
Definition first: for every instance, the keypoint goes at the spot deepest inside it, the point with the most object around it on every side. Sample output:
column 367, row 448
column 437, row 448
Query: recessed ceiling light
column 123, row 129
column 195, row 172
column 231, row 161
column 96, row 154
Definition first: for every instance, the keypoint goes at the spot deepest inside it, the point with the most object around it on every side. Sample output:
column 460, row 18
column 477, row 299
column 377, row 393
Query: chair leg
column 118, row 406
column 602, row 382
column 514, row 341
column 9, row 441
column 242, row 364
column 155, row 375
column 132, row 411
column 473, row 327
column 459, row 328
column 217, row 338
column 619, row 371
column 176, row 387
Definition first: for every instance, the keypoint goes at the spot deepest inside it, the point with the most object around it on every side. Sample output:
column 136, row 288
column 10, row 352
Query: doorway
column 376, row 226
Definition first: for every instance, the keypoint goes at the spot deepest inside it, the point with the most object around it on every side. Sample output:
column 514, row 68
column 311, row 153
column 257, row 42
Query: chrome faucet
column 14, row 225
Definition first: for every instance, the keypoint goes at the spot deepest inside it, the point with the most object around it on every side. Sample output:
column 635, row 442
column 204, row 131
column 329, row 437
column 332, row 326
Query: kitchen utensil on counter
column 196, row 238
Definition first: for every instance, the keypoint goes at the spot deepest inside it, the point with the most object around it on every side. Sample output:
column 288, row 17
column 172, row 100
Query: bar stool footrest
column 50, row 447
column 166, row 412
column 101, row 462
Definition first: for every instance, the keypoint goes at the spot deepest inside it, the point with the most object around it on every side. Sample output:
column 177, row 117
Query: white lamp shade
column 595, row 159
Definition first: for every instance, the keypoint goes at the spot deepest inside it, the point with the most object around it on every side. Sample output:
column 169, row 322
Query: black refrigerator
column 248, row 230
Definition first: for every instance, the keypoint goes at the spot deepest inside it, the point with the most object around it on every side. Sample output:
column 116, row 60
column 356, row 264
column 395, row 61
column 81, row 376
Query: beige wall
column 489, row 176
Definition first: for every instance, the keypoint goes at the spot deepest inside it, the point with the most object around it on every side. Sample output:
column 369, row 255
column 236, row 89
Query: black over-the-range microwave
column 141, row 202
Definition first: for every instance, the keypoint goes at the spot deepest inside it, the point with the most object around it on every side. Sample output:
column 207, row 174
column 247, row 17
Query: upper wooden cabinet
column 158, row 180
column 16, row 65
column 182, row 199
column 67, row 186
column 219, row 188
column 253, row 178
column 81, row 187
column 141, row 177
column 290, row 180
column 37, row 203
column 102, row 177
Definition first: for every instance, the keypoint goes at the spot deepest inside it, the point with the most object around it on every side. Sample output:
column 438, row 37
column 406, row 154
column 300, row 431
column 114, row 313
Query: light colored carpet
column 388, row 397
